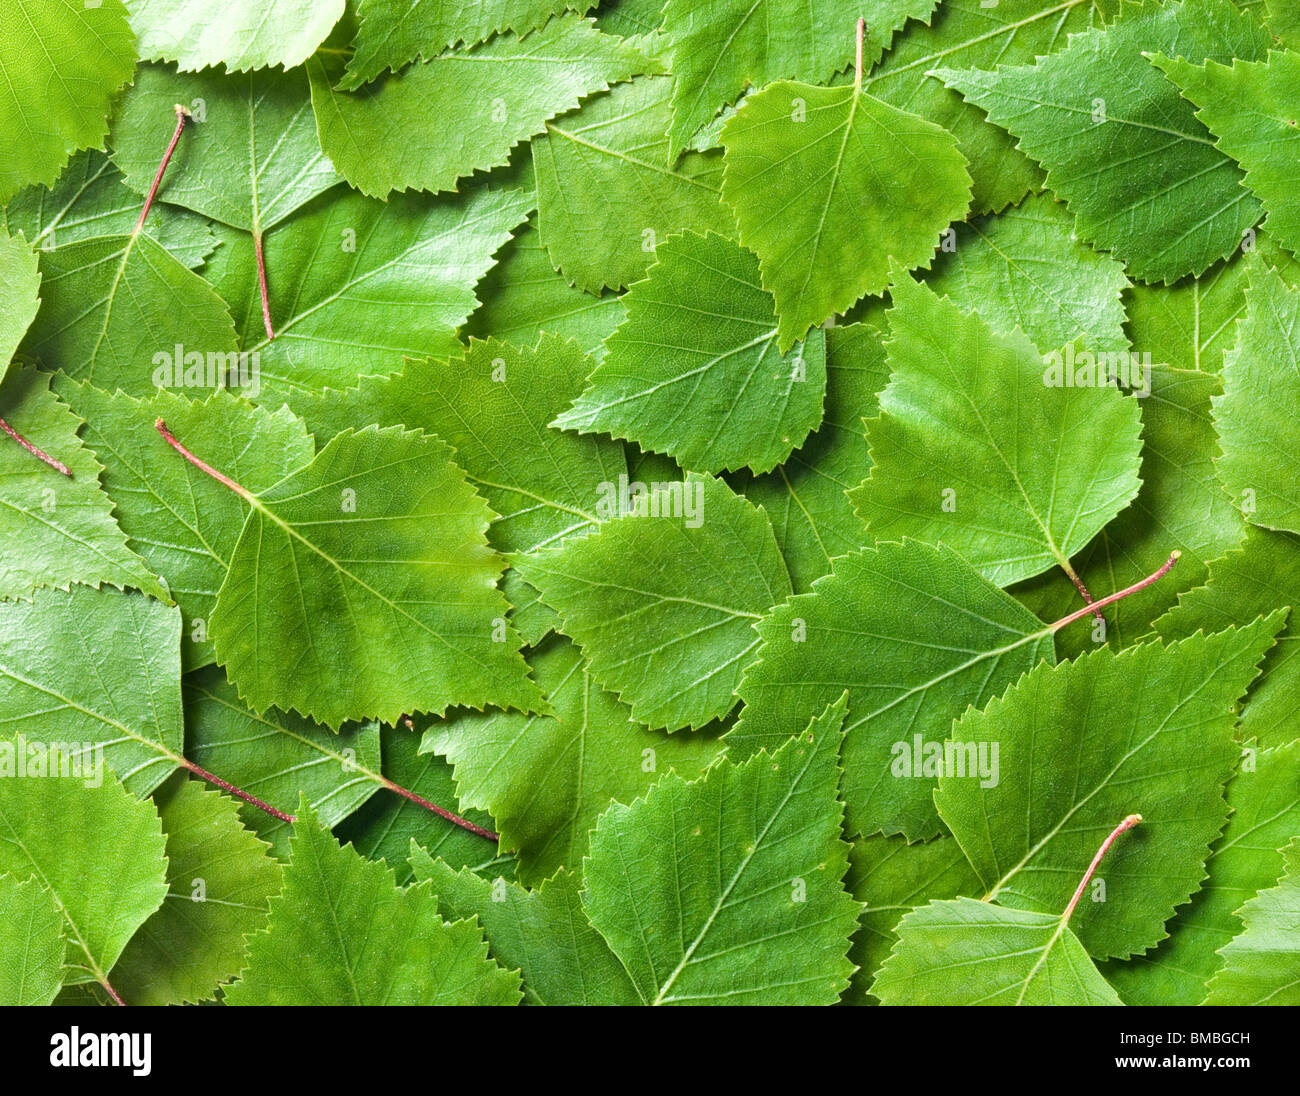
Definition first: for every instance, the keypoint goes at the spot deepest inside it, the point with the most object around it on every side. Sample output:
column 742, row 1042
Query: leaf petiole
column 182, row 116
column 224, row 785
column 441, row 812
column 857, row 71
column 1128, row 823
column 1110, row 599
column 108, row 988
column 261, row 282
column 57, row 465
column 1073, row 576
column 203, row 466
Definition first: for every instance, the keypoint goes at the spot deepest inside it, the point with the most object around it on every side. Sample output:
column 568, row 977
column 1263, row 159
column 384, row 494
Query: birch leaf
column 736, row 895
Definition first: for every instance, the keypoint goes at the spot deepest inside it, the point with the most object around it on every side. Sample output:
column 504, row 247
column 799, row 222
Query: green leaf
column 694, row 371
column 525, row 296
column 1253, row 108
column 342, row 932
column 1020, row 472
column 765, row 42
column 59, row 529
column 605, row 191
column 482, row 402
column 112, row 305
column 398, row 276
column 1179, row 506
column 630, row 17
column 241, row 34
column 1284, row 21
column 58, row 686
column 248, row 160
column 889, row 877
column 1192, row 323
column 1251, row 581
column 362, row 587
column 1259, row 965
column 728, row 889
column 501, row 93
column 91, row 199
column 384, row 826
column 95, row 848
column 806, row 497
column 663, row 600
column 62, row 63
column 532, row 618
column 31, row 943
column 829, row 185
column 1148, row 730
column 1256, row 415
column 1119, row 145
column 278, row 757
column 1026, row 269
column 393, row 32
column 544, row 933
column 1264, row 797
column 220, row 879
column 965, row 952
column 975, row 34
column 182, row 521
column 20, row 282
column 870, row 627
column 547, row 778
